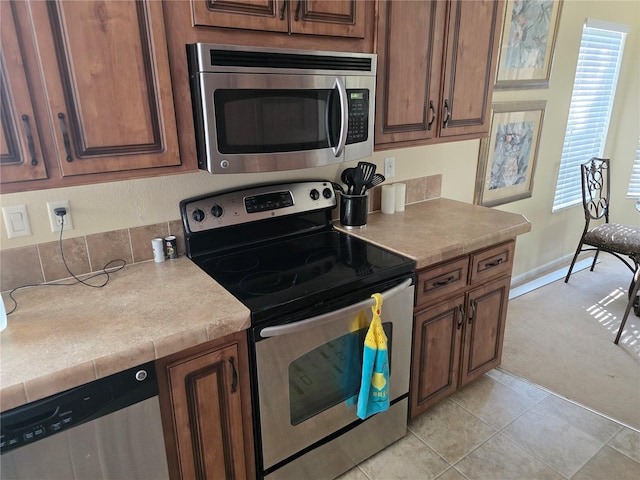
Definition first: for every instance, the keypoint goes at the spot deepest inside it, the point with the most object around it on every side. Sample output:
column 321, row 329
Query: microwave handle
column 344, row 108
column 329, row 317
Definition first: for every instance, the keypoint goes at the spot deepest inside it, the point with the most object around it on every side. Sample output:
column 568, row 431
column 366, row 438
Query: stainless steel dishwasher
column 106, row 429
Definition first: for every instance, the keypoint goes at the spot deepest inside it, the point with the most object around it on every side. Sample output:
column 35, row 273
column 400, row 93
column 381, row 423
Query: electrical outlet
column 55, row 220
column 389, row 167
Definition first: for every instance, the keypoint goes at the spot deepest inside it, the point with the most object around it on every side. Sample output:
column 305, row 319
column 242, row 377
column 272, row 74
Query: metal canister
column 171, row 246
column 158, row 250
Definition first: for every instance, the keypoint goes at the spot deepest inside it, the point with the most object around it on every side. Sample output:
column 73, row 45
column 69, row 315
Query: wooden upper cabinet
column 86, row 89
column 21, row 156
column 344, row 18
column 410, row 43
column 338, row 18
column 266, row 15
column 471, row 58
column 106, row 74
column 436, row 68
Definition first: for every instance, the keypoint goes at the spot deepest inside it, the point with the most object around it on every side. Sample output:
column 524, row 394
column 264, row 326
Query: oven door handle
column 328, row 317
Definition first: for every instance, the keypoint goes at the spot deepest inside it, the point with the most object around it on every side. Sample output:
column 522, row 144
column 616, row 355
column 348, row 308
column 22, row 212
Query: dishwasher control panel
column 29, row 423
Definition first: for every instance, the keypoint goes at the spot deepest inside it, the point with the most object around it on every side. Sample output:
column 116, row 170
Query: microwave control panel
column 358, row 101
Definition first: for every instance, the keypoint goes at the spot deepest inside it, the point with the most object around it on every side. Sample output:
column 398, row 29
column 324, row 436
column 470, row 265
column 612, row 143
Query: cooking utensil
column 358, row 181
column 368, row 170
column 347, row 179
column 338, row 187
column 377, row 179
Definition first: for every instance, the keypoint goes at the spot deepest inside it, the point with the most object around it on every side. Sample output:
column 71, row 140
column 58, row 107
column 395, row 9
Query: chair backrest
column 595, row 188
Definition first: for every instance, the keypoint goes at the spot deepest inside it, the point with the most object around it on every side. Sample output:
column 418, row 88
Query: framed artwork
column 528, row 40
column 507, row 158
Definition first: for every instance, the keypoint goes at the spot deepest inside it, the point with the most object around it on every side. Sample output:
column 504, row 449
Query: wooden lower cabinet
column 486, row 314
column 206, row 411
column 437, row 339
column 459, row 322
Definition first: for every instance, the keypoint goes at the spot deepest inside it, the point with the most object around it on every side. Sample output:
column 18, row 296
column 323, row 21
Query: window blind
column 591, row 104
column 634, row 182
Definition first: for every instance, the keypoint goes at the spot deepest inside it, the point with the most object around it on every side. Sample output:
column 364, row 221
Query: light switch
column 16, row 219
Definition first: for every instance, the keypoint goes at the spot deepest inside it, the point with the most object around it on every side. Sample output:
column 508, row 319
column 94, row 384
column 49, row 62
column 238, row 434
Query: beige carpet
column 560, row 337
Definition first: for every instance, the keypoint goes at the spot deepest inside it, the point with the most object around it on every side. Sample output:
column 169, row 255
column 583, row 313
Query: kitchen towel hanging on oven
column 374, row 386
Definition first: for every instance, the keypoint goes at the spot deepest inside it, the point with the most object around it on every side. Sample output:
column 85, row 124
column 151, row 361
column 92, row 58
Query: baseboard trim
column 548, row 278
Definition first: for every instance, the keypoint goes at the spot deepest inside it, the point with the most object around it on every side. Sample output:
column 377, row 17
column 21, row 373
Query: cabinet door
column 206, row 416
column 21, row 155
column 471, row 55
column 343, row 18
column 266, row 15
column 409, row 48
column 484, row 329
column 437, row 335
column 106, row 72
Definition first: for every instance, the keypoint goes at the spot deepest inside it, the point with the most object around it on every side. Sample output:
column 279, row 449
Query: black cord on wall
column 61, row 212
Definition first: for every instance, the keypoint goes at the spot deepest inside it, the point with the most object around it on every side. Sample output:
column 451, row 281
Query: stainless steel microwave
column 264, row 109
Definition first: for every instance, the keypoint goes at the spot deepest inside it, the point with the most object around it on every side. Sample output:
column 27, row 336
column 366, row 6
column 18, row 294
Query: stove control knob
column 198, row 215
column 217, row 211
column 314, row 194
column 327, row 193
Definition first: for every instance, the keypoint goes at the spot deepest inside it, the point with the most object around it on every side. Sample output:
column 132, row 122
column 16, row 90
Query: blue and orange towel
column 374, row 388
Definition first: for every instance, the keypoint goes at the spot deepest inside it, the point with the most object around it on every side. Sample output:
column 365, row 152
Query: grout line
column 551, row 392
column 409, row 431
column 587, row 461
column 44, row 278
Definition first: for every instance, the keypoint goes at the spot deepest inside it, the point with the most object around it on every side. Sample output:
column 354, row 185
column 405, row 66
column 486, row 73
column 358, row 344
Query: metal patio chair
column 621, row 241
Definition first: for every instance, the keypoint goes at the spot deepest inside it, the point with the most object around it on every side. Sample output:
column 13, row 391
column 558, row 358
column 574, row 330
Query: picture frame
column 528, row 42
column 507, row 158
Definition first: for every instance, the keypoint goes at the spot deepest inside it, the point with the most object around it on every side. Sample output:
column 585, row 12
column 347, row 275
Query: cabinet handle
column 65, row 137
column 282, row 8
column 298, row 6
column 442, row 283
column 432, row 109
column 461, row 322
column 234, row 376
column 473, row 311
column 494, row 264
column 32, row 147
column 445, row 120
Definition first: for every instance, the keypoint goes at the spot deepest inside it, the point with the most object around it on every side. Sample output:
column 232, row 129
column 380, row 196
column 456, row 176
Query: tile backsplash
column 43, row 263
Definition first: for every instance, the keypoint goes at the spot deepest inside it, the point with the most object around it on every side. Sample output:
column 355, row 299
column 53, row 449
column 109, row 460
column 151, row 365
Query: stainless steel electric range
column 307, row 285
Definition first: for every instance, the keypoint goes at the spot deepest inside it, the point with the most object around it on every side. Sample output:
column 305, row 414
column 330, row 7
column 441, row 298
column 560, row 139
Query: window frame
column 584, row 138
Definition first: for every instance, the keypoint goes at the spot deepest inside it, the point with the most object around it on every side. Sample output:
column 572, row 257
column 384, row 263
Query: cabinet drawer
column 445, row 279
column 492, row 262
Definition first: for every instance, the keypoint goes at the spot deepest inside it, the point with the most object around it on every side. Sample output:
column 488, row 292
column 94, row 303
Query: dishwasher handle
column 330, row 316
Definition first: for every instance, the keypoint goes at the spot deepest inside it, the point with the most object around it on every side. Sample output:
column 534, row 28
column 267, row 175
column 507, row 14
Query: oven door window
column 268, row 121
column 330, row 374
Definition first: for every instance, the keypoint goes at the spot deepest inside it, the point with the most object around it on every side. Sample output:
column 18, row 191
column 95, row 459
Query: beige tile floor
column 502, row 427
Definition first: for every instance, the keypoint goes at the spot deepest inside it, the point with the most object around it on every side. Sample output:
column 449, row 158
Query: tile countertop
column 62, row 337
column 440, row 229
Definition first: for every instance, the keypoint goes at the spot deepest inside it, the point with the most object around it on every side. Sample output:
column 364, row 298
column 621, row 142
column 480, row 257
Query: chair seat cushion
column 622, row 239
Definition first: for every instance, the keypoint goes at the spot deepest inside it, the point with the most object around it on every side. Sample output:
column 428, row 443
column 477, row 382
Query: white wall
column 105, row 207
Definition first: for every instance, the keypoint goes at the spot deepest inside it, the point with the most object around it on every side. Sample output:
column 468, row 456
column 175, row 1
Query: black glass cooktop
column 286, row 275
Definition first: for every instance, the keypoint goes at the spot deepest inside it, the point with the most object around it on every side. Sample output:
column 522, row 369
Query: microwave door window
column 271, row 121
